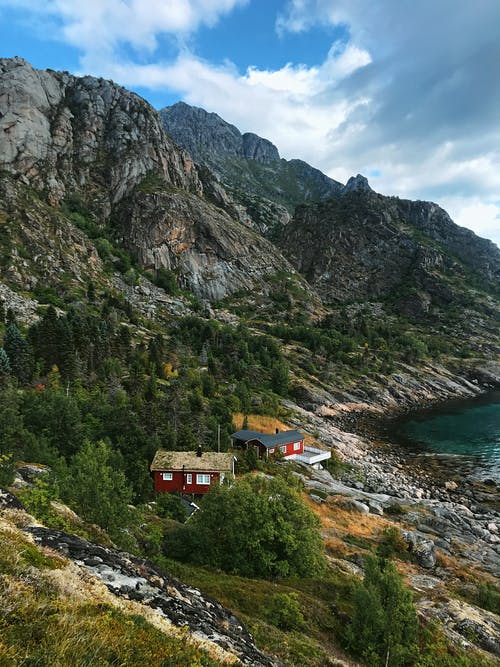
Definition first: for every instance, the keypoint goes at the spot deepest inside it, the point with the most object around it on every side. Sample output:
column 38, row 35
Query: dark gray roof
column 268, row 440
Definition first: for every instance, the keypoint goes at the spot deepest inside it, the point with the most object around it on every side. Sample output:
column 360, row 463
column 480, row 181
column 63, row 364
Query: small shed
column 190, row 472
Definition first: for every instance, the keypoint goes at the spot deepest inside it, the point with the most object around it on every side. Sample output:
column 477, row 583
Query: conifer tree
column 97, row 489
column 19, row 353
column 4, row 366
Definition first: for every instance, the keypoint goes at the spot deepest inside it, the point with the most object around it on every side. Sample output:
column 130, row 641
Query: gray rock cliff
column 269, row 188
column 63, row 136
column 63, row 133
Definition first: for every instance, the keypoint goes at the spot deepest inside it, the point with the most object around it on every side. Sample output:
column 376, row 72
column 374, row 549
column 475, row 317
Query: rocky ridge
column 132, row 585
column 63, row 134
column 250, row 167
column 366, row 246
column 139, row 580
column 206, row 135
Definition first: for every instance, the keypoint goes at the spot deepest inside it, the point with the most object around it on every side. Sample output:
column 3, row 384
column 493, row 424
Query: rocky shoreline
column 440, row 515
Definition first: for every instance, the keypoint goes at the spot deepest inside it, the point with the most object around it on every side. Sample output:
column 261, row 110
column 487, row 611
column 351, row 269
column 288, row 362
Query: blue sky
column 406, row 92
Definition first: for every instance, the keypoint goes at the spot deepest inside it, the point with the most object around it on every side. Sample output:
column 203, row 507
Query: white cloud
column 341, row 61
column 283, row 105
column 101, row 26
column 482, row 217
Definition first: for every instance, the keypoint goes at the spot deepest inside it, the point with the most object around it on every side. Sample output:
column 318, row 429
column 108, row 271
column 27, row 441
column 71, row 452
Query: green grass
column 57, row 623
column 251, row 599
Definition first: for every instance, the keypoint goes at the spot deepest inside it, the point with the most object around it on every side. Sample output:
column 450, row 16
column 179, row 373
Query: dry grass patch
column 261, row 423
column 345, row 521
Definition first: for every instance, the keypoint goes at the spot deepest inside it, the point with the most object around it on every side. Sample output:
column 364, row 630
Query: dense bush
column 383, row 632
column 255, row 527
column 284, row 611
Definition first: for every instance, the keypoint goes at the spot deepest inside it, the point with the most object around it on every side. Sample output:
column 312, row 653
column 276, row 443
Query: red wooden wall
column 179, row 482
column 289, row 449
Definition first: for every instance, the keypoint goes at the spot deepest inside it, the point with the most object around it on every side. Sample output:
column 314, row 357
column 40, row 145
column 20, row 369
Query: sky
column 405, row 92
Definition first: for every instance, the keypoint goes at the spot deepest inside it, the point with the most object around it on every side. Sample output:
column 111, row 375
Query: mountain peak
column 259, row 149
column 357, row 183
column 206, row 135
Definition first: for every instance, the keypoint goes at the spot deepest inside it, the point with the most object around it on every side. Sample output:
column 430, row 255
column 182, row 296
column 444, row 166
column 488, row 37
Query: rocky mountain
column 64, row 138
column 351, row 243
column 364, row 246
column 248, row 166
column 208, row 137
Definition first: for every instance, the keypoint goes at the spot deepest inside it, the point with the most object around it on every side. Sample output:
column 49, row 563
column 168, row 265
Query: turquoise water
column 469, row 430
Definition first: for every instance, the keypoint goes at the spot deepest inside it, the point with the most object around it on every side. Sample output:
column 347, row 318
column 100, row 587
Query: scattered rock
column 9, row 501
column 355, row 505
column 421, row 547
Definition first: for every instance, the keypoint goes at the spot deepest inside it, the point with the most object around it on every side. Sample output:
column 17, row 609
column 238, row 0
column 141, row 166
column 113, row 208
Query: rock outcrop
column 269, row 188
column 356, row 183
column 64, row 133
column 208, row 137
column 211, row 254
column 139, row 580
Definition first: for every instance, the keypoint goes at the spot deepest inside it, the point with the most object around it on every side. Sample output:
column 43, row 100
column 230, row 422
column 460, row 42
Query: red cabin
column 190, row 472
column 289, row 443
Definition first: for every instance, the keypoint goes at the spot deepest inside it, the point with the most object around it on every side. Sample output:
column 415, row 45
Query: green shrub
column 167, row 280
column 170, row 506
column 256, row 527
column 384, row 627
column 284, row 611
column 7, row 469
column 392, row 543
column 37, row 500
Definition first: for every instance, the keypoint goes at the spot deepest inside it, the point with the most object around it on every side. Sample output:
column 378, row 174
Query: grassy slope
column 52, row 613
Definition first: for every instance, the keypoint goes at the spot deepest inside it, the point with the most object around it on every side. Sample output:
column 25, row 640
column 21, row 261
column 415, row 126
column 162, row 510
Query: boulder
column 421, row 547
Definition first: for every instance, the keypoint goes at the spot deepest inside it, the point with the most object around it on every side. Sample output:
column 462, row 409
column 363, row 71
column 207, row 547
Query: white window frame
column 189, row 478
column 167, row 476
column 283, row 449
column 297, row 446
column 271, row 451
column 202, row 479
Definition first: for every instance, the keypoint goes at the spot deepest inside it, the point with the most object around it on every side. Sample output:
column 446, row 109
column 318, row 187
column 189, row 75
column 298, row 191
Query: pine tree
column 19, row 353
column 15, row 440
column 4, row 366
column 279, row 377
column 97, row 489
column 67, row 351
column 45, row 339
column 91, row 292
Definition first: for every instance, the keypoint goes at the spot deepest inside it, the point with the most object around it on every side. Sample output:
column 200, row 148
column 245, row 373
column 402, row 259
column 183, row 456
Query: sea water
column 467, row 430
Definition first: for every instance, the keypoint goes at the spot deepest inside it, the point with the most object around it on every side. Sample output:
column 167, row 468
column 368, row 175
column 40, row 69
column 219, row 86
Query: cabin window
column 296, row 446
column 271, row 451
column 202, row 479
column 167, row 476
column 283, row 449
column 189, row 478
